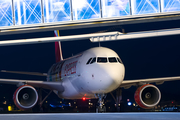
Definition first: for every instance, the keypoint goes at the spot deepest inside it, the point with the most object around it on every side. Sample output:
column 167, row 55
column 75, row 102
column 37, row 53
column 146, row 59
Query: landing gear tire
column 100, row 110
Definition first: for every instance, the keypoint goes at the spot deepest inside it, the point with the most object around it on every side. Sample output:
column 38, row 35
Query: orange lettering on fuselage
column 70, row 68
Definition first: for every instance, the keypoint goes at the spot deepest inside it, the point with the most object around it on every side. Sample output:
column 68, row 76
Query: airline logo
column 70, row 68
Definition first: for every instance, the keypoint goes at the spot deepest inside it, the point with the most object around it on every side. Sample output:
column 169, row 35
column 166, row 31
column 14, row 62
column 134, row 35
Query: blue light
column 52, row 106
column 129, row 103
column 61, row 106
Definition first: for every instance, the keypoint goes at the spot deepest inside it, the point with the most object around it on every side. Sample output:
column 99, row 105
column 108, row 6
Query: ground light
column 9, row 108
column 129, row 103
column 83, row 98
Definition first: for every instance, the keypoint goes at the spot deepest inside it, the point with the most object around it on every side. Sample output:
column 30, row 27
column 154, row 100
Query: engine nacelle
column 147, row 96
column 25, row 97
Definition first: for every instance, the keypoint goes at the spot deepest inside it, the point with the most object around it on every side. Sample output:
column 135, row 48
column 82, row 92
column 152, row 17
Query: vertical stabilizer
column 58, row 50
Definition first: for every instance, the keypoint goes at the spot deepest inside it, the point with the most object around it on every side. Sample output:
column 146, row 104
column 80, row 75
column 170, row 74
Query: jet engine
column 25, row 97
column 147, row 96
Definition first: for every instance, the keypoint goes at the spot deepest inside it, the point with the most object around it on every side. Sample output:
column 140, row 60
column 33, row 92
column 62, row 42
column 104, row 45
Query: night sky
column 143, row 58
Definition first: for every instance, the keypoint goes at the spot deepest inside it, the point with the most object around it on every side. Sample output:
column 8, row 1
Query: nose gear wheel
column 101, row 108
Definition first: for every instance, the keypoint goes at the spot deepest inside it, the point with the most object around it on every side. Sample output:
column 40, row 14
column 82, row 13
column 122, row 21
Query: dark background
column 143, row 58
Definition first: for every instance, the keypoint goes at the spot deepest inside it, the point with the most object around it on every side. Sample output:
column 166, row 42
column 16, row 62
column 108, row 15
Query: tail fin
column 58, row 50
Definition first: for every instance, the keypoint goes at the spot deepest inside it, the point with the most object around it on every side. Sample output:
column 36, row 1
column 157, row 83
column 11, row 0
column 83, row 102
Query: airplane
column 88, row 75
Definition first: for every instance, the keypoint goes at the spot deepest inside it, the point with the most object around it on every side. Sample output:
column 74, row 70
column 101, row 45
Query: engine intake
column 147, row 96
column 25, row 97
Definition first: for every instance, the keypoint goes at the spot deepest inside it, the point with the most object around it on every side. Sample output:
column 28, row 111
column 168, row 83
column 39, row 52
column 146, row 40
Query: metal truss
column 27, row 11
column 145, row 6
column 170, row 5
column 85, row 9
column 57, row 10
column 23, row 12
column 6, row 13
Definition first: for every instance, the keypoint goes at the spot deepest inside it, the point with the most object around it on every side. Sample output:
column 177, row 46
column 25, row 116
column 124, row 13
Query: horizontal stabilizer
column 35, row 83
column 25, row 73
column 128, row 83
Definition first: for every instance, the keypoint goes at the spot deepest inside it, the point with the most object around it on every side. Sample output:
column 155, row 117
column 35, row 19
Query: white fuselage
column 97, row 70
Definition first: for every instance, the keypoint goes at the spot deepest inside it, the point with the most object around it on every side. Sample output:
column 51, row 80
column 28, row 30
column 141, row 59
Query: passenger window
column 112, row 59
column 93, row 60
column 119, row 60
column 101, row 60
column 89, row 61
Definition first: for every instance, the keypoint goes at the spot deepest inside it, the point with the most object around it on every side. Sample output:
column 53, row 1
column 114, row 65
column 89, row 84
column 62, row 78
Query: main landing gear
column 41, row 101
column 101, row 108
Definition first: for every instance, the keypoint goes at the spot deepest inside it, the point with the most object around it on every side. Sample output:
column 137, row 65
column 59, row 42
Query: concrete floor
column 93, row 116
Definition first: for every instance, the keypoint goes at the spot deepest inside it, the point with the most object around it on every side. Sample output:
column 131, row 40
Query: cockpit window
column 93, row 60
column 101, row 59
column 119, row 60
column 89, row 61
column 112, row 59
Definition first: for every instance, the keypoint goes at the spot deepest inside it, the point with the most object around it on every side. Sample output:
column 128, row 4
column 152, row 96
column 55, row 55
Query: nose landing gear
column 101, row 108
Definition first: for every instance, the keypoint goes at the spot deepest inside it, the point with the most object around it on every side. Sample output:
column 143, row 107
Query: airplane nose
column 113, row 76
column 103, row 78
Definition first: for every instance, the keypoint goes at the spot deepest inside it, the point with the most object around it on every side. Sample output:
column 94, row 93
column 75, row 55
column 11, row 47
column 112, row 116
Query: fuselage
column 94, row 71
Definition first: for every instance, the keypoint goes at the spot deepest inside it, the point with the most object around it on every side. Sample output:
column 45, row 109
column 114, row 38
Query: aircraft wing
column 35, row 83
column 128, row 83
